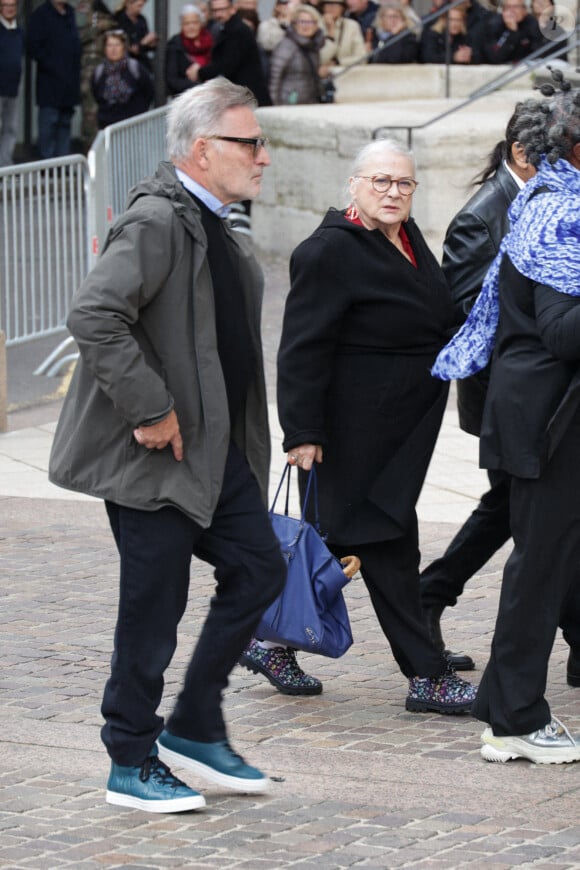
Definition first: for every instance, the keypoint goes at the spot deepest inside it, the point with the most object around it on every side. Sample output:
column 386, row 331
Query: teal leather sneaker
column 216, row 762
column 151, row 787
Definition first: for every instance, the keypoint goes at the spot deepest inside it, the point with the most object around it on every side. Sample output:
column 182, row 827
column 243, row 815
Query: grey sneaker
column 552, row 744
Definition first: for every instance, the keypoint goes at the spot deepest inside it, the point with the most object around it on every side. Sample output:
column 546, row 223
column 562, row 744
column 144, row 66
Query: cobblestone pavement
column 357, row 781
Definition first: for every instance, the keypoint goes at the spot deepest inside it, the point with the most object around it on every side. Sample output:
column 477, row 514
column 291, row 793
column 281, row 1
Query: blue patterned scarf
column 543, row 245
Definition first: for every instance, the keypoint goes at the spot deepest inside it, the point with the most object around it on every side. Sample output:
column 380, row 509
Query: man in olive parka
column 166, row 419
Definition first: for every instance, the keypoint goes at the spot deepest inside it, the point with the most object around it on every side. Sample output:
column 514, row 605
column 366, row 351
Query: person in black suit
column 471, row 243
column 367, row 312
column 235, row 54
column 529, row 313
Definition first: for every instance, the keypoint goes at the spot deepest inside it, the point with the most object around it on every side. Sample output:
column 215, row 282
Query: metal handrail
column 520, row 69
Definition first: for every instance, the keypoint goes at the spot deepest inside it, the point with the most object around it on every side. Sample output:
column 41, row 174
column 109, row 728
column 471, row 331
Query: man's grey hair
column 377, row 148
column 198, row 112
column 191, row 9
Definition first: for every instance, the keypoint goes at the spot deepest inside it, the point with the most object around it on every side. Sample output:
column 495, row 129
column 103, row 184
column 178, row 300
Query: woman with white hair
column 191, row 46
column 367, row 313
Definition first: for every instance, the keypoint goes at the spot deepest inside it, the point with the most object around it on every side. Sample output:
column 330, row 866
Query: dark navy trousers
column 155, row 551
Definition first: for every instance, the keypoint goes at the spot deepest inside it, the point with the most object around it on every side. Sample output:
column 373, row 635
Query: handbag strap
column 311, row 485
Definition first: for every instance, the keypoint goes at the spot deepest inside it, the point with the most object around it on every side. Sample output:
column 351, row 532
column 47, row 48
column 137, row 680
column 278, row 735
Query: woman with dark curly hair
column 529, row 308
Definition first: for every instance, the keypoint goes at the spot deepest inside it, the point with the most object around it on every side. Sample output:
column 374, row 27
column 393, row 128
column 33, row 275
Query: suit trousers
column 483, row 533
column 390, row 570
column 541, row 575
column 54, row 131
column 155, row 550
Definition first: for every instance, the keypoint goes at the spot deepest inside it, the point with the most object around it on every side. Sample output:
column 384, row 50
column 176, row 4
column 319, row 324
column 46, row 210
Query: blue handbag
column 310, row 614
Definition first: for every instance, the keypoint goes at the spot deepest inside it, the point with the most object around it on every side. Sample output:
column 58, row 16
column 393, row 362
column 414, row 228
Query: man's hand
column 161, row 434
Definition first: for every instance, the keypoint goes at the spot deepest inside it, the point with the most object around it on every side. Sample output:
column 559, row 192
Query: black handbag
column 310, row 614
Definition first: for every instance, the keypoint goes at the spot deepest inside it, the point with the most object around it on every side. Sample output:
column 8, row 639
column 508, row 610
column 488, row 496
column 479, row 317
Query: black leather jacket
column 471, row 243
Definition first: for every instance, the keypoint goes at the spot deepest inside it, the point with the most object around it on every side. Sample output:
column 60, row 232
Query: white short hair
column 190, row 9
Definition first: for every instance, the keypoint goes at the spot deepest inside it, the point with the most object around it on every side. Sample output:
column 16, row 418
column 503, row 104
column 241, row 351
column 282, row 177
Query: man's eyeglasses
column 383, row 183
column 257, row 143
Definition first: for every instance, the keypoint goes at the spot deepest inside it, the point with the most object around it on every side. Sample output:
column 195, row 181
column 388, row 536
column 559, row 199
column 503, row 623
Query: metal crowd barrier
column 122, row 155
column 44, row 244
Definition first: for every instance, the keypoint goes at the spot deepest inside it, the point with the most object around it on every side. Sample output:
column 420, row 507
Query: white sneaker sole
column 504, row 749
column 178, row 805
column 246, row 786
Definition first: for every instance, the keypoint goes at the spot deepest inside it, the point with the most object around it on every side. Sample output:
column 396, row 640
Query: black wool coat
column 534, row 388
column 362, row 327
column 471, row 244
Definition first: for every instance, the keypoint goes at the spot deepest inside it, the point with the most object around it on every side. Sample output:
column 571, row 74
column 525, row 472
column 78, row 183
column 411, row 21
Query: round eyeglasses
column 383, row 183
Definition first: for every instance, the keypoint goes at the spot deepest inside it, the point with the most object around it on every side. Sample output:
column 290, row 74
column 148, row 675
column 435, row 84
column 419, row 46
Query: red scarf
column 199, row 49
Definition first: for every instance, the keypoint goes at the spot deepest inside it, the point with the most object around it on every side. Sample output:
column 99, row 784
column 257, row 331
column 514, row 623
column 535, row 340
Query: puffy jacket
column 294, row 69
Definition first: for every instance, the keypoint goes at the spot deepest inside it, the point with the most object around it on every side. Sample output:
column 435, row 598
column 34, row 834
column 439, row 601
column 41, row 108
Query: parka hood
column 164, row 183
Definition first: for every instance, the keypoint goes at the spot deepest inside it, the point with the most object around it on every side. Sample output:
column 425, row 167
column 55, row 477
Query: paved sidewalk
column 358, row 781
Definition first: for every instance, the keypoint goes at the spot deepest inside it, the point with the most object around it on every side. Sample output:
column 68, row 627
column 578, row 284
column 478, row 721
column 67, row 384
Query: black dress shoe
column 573, row 670
column 459, row 661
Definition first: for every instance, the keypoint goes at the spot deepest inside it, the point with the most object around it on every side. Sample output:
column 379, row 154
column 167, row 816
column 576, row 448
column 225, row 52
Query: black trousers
column 155, row 551
column 483, row 533
column 390, row 570
column 541, row 581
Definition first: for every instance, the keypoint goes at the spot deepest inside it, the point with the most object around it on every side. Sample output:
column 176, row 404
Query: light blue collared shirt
column 212, row 202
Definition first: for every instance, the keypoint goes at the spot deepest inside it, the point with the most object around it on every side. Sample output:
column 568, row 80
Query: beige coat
column 347, row 47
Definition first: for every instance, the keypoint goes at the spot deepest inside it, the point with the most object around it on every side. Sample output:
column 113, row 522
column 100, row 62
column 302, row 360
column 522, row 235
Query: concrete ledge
column 379, row 82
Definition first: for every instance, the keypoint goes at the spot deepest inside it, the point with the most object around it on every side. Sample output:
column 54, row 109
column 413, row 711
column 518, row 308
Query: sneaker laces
column 154, row 767
column 552, row 727
column 228, row 746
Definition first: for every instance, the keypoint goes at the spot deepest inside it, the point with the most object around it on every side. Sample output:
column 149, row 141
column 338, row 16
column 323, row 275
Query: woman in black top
column 391, row 21
column 449, row 29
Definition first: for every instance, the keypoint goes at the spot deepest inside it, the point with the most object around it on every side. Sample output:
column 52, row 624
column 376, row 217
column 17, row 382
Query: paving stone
column 365, row 783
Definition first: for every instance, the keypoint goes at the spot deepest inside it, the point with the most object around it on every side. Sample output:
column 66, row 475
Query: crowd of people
column 102, row 59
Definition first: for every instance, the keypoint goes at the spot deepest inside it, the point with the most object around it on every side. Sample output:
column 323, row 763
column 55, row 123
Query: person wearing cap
column 344, row 43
